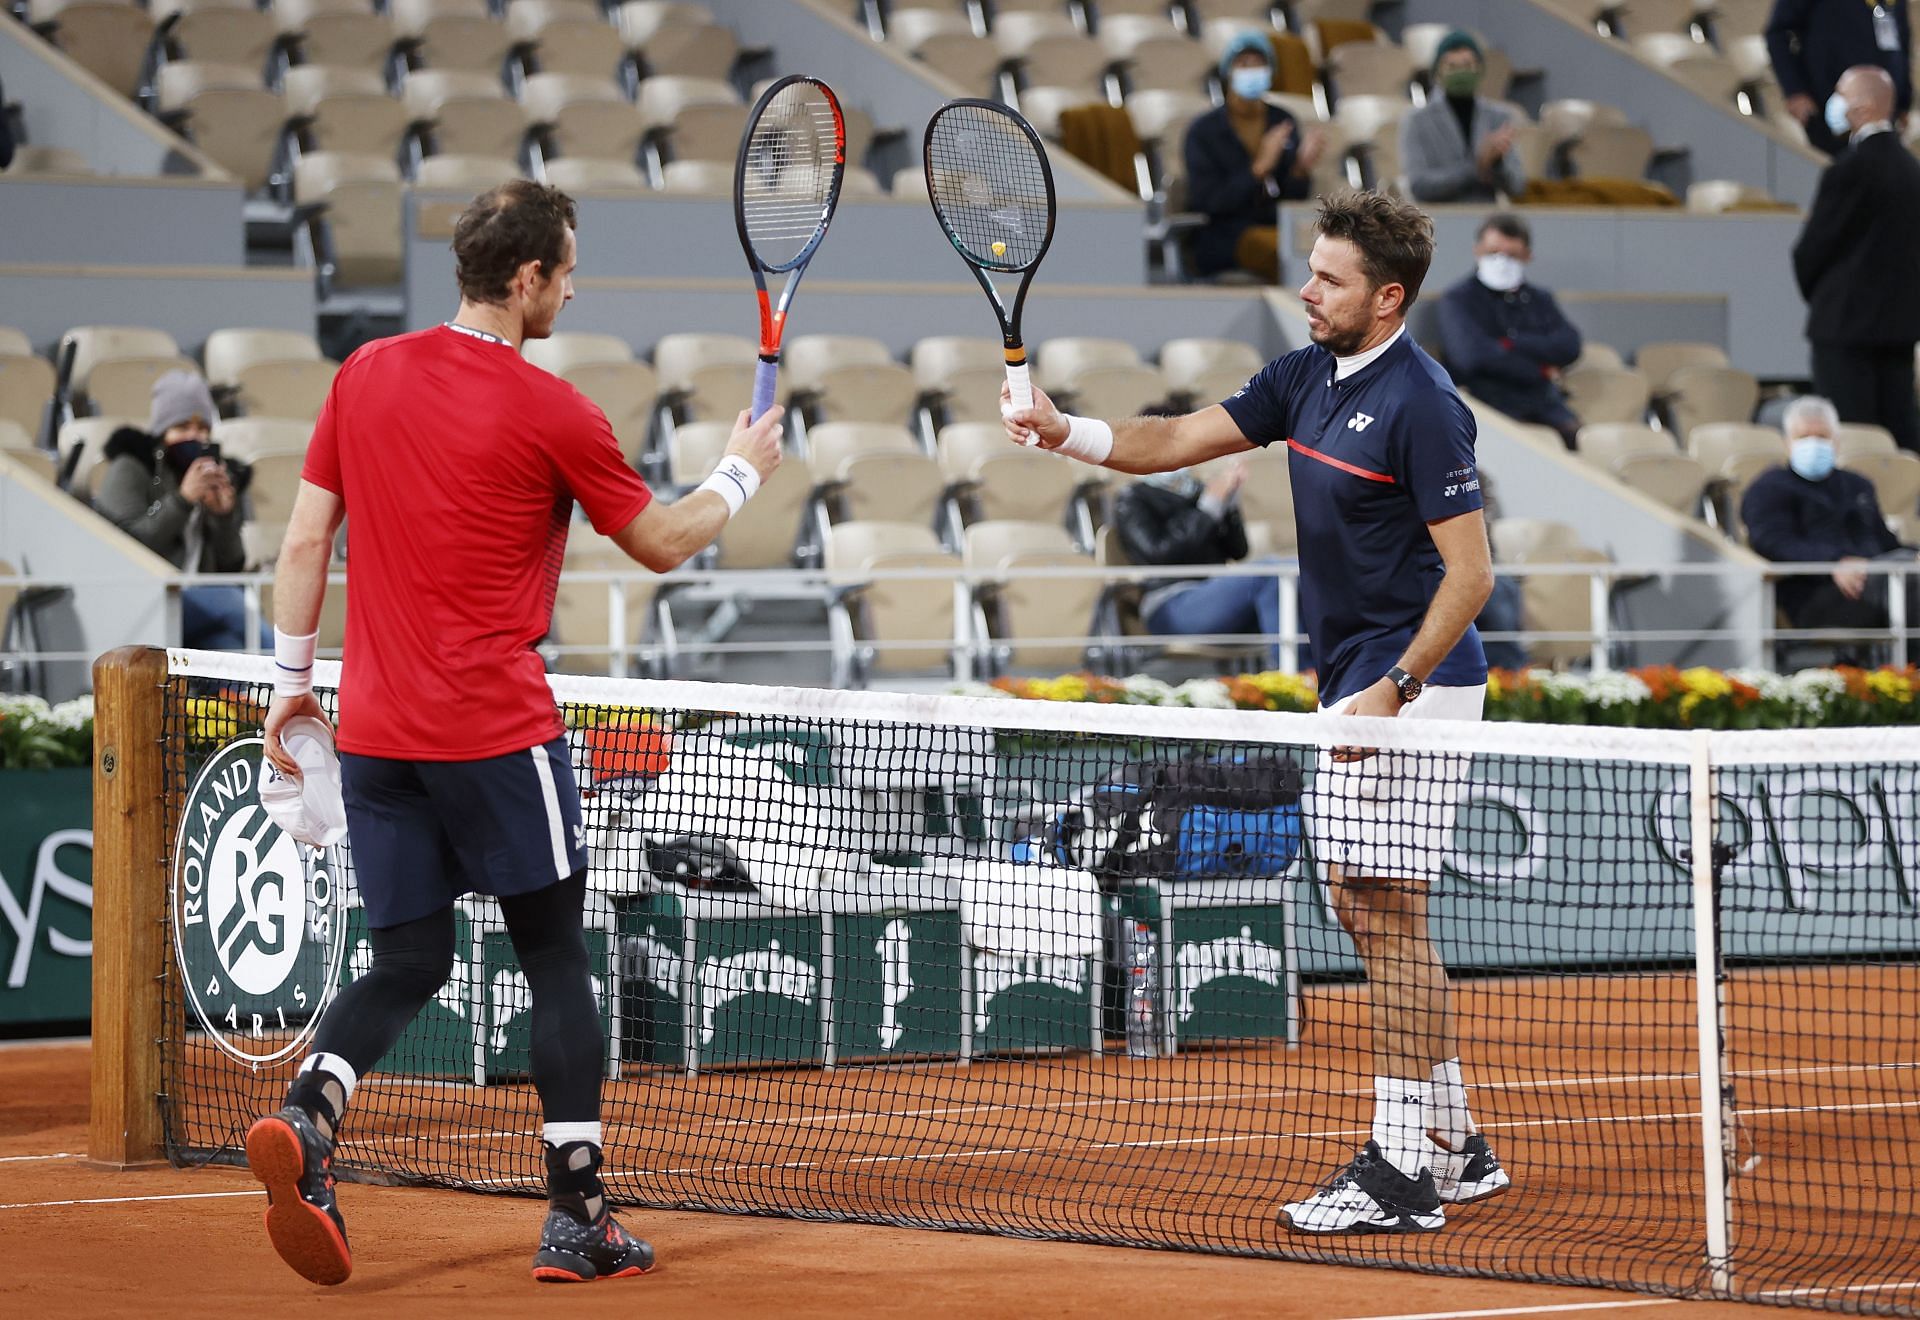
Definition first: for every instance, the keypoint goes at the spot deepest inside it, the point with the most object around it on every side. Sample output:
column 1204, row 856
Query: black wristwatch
column 1410, row 687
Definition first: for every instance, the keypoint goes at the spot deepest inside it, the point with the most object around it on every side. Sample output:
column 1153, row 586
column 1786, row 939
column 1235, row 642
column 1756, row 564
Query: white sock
column 559, row 1134
column 335, row 1067
column 1400, row 1123
column 1447, row 1114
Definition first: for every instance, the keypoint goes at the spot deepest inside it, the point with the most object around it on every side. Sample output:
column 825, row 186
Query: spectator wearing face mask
column 1242, row 159
column 1813, row 43
column 1812, row 512
column 1458, row 147
column 1858, row 265
column 169, row 489
column 1505, row 340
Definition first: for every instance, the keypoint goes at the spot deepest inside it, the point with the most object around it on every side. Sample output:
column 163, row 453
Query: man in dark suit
column 1813, row 42
column 1858, row 265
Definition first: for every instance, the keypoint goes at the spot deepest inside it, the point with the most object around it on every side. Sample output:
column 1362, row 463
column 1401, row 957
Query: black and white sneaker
column 576, row 1252
column 1369, row 1196
column 1471, row 1173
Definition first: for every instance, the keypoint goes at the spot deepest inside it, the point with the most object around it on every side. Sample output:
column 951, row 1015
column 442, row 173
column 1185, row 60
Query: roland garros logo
column 257, row 920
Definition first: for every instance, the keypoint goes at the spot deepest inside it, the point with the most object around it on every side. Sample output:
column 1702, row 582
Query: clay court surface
column 82, row 1241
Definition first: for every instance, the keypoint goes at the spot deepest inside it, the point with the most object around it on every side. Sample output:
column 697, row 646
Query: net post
column 1706, row 955
column 129, row 906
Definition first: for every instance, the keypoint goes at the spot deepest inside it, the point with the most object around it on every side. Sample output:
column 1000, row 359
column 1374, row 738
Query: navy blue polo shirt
column 1374, row 458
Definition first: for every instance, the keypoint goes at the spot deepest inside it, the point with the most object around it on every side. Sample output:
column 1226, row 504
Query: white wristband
column 293, row 664
column 733, row 480
column 1088, row 439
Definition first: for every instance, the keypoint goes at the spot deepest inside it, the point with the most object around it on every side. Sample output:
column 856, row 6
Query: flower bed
column 36, row 736
column 1654, row 697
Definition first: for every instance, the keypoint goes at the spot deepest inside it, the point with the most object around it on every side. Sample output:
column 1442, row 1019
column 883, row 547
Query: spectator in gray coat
column 1458, row 147
column 169, row 489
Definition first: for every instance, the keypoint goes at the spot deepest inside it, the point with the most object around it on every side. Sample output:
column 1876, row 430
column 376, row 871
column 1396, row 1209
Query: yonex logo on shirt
column 1359, row 422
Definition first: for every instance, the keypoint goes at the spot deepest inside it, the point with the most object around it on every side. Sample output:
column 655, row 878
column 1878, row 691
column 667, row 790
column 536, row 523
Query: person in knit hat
column 169, row 489
column 1242, row 158
column 1458, row 147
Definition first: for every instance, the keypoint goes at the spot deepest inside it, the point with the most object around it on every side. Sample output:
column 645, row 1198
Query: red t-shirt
column 459, row 463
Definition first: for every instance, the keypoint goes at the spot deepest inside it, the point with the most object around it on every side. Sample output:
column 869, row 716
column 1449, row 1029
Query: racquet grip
column 765, row 376
column 1020, row 391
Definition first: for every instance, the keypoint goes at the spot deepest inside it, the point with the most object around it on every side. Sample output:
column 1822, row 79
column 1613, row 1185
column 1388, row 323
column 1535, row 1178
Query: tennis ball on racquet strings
column 999, row 249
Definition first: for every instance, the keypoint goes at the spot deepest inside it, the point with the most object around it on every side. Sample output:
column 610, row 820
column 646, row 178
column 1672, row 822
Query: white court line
column 1556, row 1308
column 124, row 1200
column 1838, row 1288
column 21, row 1159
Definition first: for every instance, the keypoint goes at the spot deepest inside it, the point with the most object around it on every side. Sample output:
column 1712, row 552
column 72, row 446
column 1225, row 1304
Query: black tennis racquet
column 992, row 191
column 786, row 183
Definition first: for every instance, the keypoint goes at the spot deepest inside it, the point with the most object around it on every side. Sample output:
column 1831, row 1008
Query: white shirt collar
column 1866, row 131
column 1346, row 366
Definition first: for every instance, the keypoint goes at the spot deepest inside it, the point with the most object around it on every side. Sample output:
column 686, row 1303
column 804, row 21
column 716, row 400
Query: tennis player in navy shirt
column 1394, row 567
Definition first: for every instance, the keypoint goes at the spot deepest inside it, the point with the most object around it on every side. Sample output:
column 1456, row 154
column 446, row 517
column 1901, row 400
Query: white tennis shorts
column 1390, row 817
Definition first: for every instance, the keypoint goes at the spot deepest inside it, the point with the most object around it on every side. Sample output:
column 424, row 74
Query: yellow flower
column 1689, row 704
column 1494, row 691
column 1890, row 685
column 1705, row 683
column 1274, row 683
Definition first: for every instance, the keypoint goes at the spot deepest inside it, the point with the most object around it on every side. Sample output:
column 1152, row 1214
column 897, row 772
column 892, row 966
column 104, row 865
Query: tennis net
column 1074, row 971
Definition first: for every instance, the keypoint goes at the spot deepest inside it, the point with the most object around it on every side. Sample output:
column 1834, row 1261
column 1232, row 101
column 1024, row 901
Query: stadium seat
column 1365, row 119
column 1733, row 454
column 1737, row 20
column 357, row 238
column 699, row 118
column 88, row 436
column 462, row 112
column 28, row 159
column 888, row 626
column 451, row 34
column 868, row 470
column 584, row 116
column 989, row 478
column 227, row 112
column 582, row 629
column 1593, row 353
column 1047, row 50
column 848, row 378
column 16, row 443
column 945, row 42
column 216, row 31
column 711, row 177
column 767, row 539
column 270, row 494
column 1267, row 494
column 109, row 41
column 602, row 367
column 859, row 181
column 1160, row 116
column 1203, row 371
column 125, row 385
column 1660, row 359
column 1549, row 603
column 590, row 174
column 467, row 174
column 677, row 39
column 1150, row 52
column 564, row 36
column 95, row 344
column 1606, row 394
column 1645, row 460
column 1611, row 151
column 960, row 375
column 1895, row 476
column 336, row 34
column 1058, row 360
column 1719, row 196
column 1852, row 439
column 1360, row 68
column 1566, row 119
column 26, row 387
column 1693, row 63
column 344, row 109
column 1704, row 393
column 1644, row 18
column 709, row 375
column 1117, row 391
column 250, row 439
column 1033, row 622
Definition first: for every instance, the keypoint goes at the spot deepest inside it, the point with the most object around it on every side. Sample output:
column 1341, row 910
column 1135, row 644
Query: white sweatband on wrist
column 734, row 480
column 293, row 664
column 1088, row 439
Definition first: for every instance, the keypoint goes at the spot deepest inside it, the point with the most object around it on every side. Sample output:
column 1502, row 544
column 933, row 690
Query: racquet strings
column 989, row 185
column 788, row 176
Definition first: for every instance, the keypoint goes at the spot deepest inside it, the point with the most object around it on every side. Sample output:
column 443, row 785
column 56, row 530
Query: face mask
column 1250, row 84
column 1460, row 83
column 1811, row 456
column 1500, row 272
column 1837, row 115
column 180, row 457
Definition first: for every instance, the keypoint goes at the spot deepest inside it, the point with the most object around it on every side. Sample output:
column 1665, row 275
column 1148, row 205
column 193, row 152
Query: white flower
column 1148, row 691
column 74, row 715
column 23, row 706
column 983, row 690
column 1617, row 689
column 1204, row 694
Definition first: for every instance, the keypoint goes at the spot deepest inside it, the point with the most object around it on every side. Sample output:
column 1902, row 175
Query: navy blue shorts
column 425, row 832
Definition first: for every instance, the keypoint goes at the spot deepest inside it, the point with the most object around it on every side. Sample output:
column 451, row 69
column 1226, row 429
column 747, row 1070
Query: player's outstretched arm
column 664, row 536
column 1135, row 444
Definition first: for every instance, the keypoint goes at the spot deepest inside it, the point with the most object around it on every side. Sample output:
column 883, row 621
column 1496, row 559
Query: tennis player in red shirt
column 460, row 463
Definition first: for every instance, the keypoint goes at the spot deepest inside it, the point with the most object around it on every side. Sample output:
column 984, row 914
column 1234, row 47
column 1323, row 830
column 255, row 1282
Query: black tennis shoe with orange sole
column 286, row 1152
column 573, row 1252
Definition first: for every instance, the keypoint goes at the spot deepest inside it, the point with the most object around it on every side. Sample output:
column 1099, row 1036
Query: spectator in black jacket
column 1858, row 266
column 1812, row 512
column 1242, row 159
column 1814, row 42
column 1505, row 340
column 6, row 131
column 1173, row 518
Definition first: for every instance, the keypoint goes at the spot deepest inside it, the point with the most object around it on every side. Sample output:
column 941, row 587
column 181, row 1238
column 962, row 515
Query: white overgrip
column 1020, row 393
